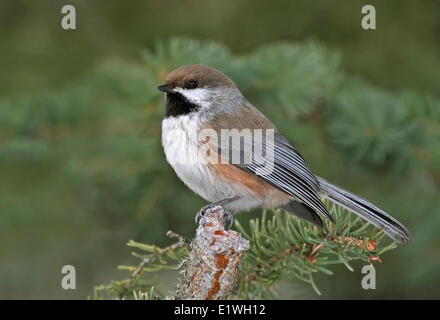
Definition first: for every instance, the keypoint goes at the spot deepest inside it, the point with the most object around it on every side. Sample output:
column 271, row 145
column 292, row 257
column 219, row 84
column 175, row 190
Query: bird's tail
column 366, row 210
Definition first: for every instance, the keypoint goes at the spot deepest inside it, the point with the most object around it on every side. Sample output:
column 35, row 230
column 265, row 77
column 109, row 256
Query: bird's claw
column 202, row 211
column 228, row 220
column 228, row 217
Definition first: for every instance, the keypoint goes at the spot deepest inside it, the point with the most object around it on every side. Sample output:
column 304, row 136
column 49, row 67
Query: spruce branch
column 286, row 247
column 138, row 284
column 249, row 263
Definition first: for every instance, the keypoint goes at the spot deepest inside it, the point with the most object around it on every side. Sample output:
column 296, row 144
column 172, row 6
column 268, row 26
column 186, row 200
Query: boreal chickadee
column 200, row 98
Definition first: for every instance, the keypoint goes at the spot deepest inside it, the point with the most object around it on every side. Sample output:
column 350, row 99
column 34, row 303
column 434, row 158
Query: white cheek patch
column 199, row 96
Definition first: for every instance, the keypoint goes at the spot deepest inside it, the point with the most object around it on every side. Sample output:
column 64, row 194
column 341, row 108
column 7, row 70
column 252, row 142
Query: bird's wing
column 286, row 171
column 269, row 156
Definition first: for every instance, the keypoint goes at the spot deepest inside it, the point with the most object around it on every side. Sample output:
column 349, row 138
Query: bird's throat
column 177, row 105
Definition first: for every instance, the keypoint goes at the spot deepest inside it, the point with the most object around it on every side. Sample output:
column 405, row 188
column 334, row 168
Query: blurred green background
column 82, row 169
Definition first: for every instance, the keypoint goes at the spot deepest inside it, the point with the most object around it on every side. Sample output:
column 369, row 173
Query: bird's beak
column 165, row 88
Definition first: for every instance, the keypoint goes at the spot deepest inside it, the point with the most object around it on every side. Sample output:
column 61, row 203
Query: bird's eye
column 191, row 84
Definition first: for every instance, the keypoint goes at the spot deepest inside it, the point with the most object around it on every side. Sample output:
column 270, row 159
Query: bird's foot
column 228, row 219
column 227, row 216
column 202, row 211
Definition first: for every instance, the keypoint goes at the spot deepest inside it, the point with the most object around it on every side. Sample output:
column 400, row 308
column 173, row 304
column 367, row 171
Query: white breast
column 180, row 143
column 179, row 140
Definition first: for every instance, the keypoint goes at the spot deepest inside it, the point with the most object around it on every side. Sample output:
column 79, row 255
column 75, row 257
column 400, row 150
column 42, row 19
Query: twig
column 179, row 244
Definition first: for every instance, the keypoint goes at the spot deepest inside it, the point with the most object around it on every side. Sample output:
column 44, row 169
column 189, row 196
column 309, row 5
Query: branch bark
column 212, row 268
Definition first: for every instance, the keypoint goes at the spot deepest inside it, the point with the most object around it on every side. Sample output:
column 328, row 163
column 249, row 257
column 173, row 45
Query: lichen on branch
column 211, row 270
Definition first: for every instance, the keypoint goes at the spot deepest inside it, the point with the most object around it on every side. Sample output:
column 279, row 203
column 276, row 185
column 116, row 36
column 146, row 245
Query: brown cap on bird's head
column 196, row 76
